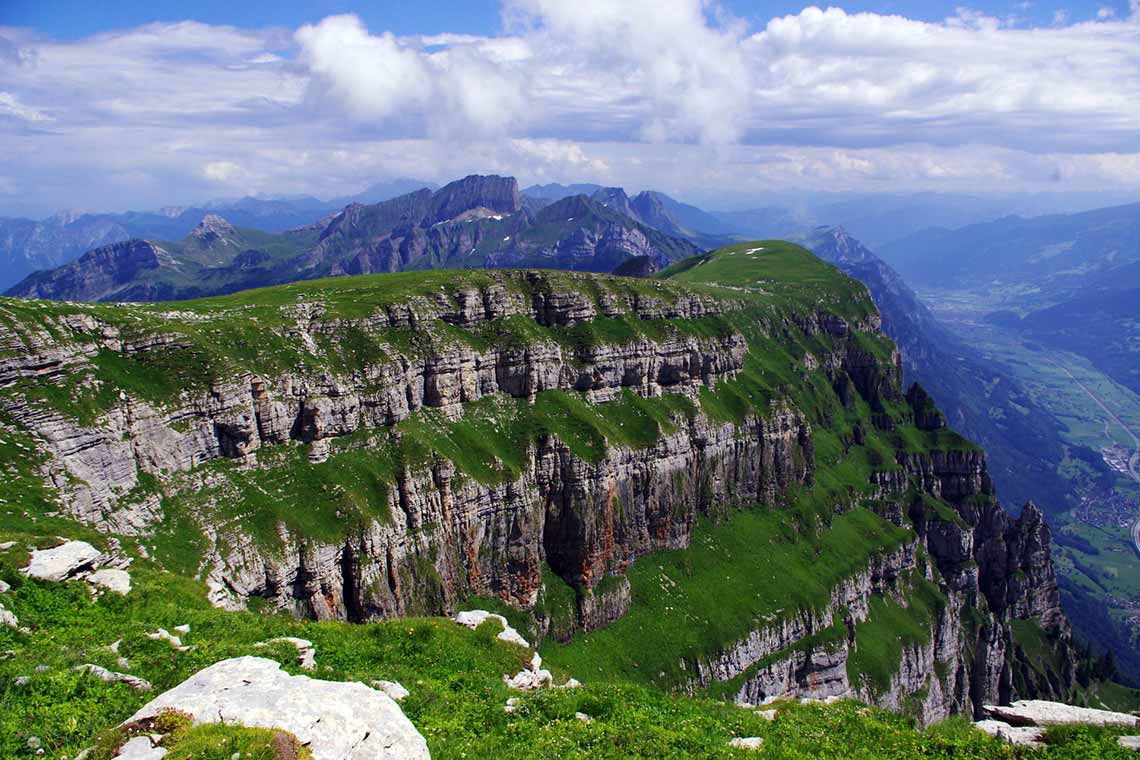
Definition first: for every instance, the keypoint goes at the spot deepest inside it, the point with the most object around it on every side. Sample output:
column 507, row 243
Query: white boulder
column 111, row 579
column 474, row 618
column 4, row 587
column 140, row 748
column 1129, row 742
column 747, row 742
column 393, row 689
column 61, row 562
column 1026, row 736
column 136, row 683
column 1038, row 712
column 8, row 619
column 164, row 635
column 336, row 720
column 529, row 680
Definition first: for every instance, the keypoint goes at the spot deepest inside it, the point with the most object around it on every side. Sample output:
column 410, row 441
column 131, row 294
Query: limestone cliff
column 620, row 415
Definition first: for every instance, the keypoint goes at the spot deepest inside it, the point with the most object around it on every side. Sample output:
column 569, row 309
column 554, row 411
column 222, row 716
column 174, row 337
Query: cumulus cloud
column 689, row 77
column 379, row 77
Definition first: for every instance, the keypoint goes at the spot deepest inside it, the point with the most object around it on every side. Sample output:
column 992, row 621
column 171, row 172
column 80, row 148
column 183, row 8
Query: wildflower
column 34, row 742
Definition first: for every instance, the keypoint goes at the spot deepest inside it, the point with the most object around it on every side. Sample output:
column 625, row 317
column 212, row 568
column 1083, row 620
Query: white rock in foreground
column 1129, row 742
column 747, row 742
column 474, row 618
column 393, row 689
column 7, row 618
column 1038, row 712
column 164, row 635
column 118, row 581
column 1026, row 736
column 110, row 676
column 140, row 748
column 337, row 721
column 61, row 562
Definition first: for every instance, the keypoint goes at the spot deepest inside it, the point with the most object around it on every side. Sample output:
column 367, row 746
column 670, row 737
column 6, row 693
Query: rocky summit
column 563, row 512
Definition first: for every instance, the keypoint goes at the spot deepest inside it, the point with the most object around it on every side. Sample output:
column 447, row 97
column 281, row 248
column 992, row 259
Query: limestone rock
column 393, row 689
column 749, row 742
column 336, row 720
column 529, row 680
column 164, row 635
column 111, row 579
column 1027, row 736
column 140, row 748
column 136, row 683
column 8, row 618
column 1038, row 712
column 767, row 714
column 474, row 618
column 1129, row 742
column 62, row 562
column 4, row 587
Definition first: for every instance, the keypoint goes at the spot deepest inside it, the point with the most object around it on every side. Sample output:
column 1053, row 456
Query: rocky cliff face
column 97, row 271
column 586, row 513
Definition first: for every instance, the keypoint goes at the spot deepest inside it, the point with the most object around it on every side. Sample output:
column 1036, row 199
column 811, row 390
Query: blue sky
column 120, row 105
column 71, row 19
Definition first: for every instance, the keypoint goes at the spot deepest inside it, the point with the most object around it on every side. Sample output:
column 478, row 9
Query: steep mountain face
column 982, row 401
column 391, row 445
column 27, row 246
column 473, row 223
column 215, row 257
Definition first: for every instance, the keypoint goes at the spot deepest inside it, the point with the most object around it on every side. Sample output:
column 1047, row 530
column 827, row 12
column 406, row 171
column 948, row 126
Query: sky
column 146, row 104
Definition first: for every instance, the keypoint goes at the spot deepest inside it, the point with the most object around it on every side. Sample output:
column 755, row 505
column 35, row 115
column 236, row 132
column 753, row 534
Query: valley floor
column 1097, row 543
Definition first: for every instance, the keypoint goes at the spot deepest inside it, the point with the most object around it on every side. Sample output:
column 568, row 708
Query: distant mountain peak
column 212, row 229
column 494, row 194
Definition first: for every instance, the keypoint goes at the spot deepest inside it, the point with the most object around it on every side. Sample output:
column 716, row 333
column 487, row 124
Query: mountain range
column 28, row 245
column 475, row 222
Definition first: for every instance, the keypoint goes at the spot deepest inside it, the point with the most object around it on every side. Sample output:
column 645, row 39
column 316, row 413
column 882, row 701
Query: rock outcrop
column 96, row 272
column 335, row 720
column 1038, row 712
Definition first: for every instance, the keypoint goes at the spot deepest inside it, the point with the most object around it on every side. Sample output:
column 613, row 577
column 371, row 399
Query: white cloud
column 379, row 77
column 224, row 172
column 10, row 105
column 623, row 92
column 692, row 78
